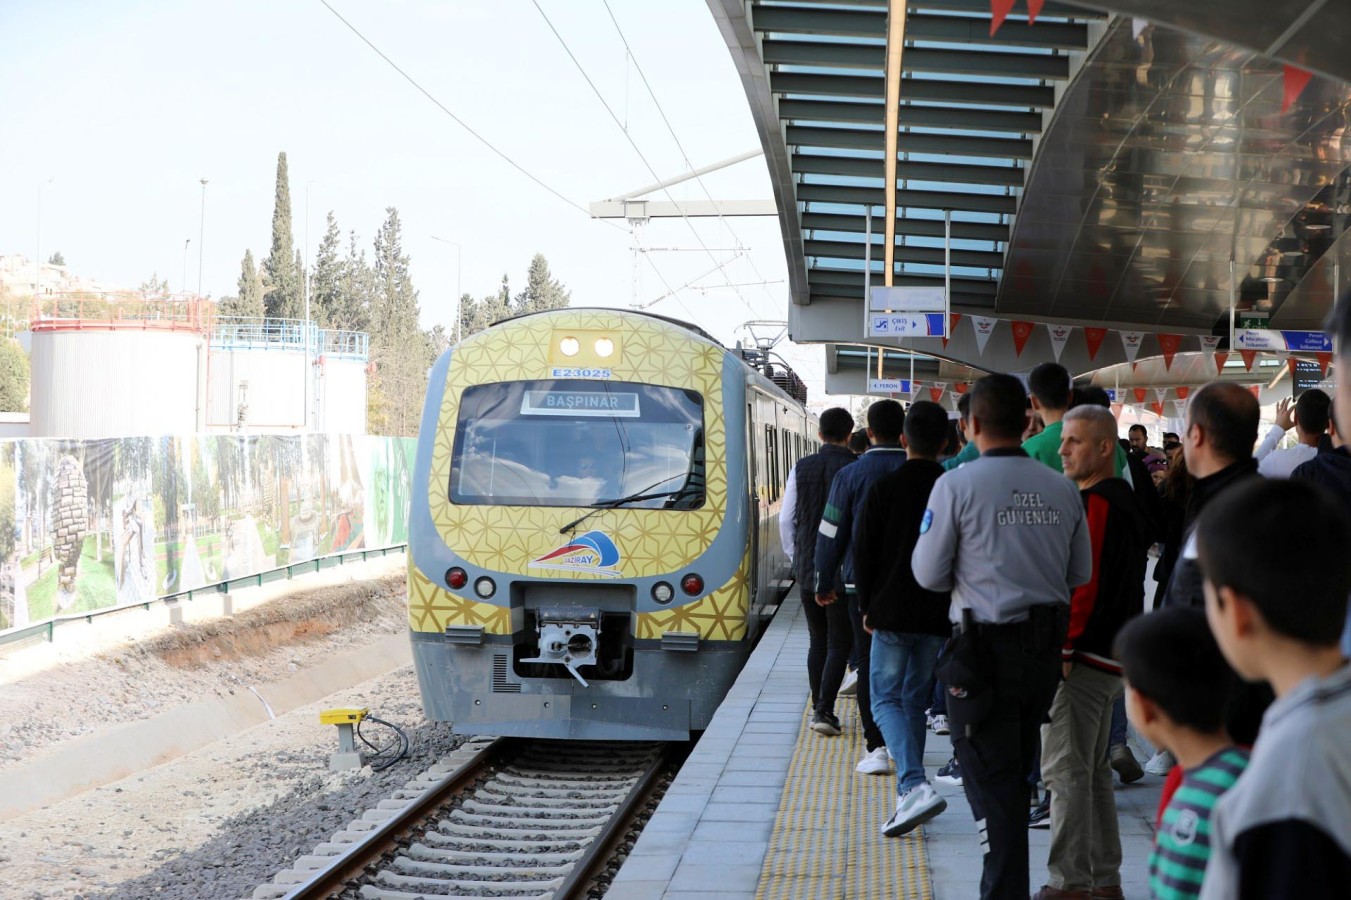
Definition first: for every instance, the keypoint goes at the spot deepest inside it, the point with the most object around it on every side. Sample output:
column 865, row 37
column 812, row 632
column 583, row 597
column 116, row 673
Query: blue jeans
column 1118, row 722
column 902, row 668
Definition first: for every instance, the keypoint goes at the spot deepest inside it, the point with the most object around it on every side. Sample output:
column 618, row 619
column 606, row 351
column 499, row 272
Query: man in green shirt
column 1050, row 386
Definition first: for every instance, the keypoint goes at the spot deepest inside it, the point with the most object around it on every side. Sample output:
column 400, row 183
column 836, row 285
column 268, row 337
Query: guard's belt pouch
column 968, row 677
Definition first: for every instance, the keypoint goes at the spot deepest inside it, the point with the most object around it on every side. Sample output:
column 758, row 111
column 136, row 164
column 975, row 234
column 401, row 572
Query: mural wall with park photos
column 89, row 525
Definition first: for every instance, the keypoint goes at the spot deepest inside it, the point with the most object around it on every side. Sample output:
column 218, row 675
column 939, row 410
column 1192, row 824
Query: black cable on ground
column 383, row 757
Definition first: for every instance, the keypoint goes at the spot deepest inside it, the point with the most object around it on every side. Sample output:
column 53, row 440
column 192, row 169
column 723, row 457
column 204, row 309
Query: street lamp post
column 458, row 270
column 201, row 240
column 183, row 284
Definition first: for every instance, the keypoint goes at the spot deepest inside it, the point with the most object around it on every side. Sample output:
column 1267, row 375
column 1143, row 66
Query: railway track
column 515, row 819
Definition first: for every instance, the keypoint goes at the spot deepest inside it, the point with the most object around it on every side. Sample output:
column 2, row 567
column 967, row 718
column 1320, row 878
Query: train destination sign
column 888, row 386
column 580, row 403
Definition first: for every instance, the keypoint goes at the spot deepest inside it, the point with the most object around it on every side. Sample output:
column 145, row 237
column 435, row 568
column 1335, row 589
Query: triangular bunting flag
column 984, row 328
column 1157, row 406
column 1209, row 343
column 954, row 397
column 1131, row 341
column 1324, row 360
column 1182, row 393
column 1021, row 332
column 1138, row 27
column 1160, row 393
column 1256, row 391
column 1139, row 395
column 1221, row 357
column 1295, row 80
column 936, row 394
column 953, row 319
column 999, row 11
column 1060, row 335
column 1248, row 357
column 1168, row 343
column 1181, row 407
column 1034, row 10
column 1093, row 337
column 1116, row 409
column 1291, row 363
column 963, row 387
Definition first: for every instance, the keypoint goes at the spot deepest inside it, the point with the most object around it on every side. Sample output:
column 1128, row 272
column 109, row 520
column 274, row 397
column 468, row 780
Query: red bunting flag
column 936, row 394
column 1291, row 363
column 1182, row 393
column 1034, row 10
column 1116, row 409
column 1168, row 344
column 963, row 387
column 1021, row 332
column 953, row 319
column 1248, row 357
column 1093, row 337
column 1139, row 395
column 1256, row 391
column 1221, row 357
column 1295, row 80
column 1324, row 360
column 1157, row 406
column 999, row 11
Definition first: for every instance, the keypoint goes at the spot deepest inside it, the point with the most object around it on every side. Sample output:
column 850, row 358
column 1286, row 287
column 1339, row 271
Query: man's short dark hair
column 1091, row 395
column 1282, row 544
column 1170, row 437
column 886, row 418
column 999, row 403
column 1138, row 427
column 1228, row 414
column 964, row 407
column 1170, row 656
column 1312, row 411
column 926, row 428
column 858, row 441
column 836, row 424
column 1050, row 384
column 1170, row 446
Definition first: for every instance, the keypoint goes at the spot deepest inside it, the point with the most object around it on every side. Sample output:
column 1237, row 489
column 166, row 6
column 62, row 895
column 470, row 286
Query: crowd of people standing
column 1004, row 576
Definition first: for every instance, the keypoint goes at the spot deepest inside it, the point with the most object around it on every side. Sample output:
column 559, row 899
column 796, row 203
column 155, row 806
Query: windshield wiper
column 621, row 501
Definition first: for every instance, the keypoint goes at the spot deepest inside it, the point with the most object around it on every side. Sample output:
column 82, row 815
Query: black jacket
column 887, row 531
column 1185, row 583
column 813, row 475
column 1330, row 471
column 1121, row 532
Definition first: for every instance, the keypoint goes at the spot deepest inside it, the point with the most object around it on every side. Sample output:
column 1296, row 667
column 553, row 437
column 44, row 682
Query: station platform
column 766, row 809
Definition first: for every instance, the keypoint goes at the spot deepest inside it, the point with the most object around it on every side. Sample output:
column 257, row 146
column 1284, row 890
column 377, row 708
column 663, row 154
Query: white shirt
column 788, row 515
column 1274, row 463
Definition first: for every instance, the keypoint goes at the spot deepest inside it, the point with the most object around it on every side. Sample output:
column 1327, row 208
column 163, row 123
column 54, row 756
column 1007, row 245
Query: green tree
column 282, row 300
column 57, row 259
column 13, row 376
column 326, row 280
column 249, row 300
column 155, row 285
column 400, row 379
column 352, row 311
column 542, row 290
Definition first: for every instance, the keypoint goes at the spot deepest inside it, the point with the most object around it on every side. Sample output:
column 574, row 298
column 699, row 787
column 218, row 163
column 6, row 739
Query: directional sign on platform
column 888, row 386
column 902, row 325
column 1283, row 341
column 907, row 299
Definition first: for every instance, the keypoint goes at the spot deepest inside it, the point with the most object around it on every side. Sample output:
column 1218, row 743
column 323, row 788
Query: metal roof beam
column 911, row 227
column 908, row 199
column 1023, row 96
column 806, row 110
column 920, row 26
column 904, row 253
column 848, row 166
column 869, row 57
column 912, row 142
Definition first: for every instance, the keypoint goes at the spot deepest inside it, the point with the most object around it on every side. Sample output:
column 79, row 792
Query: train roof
column 628, row 312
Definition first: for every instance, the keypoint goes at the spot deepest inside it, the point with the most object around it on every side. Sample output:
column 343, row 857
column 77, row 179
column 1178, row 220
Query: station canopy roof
column 1113, row 183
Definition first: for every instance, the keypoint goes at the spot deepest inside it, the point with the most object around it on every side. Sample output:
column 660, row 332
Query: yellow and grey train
column 593, row 535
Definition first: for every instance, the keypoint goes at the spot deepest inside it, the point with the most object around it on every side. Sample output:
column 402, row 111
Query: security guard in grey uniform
column 1007, row 536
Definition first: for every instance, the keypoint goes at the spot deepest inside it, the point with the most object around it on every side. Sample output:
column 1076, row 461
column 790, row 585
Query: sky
column 111, row 113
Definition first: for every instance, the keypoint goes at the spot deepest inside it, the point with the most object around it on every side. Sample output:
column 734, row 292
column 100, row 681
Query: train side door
column 753, row 452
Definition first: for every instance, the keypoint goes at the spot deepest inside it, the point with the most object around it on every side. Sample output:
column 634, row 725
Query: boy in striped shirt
column 1177, row 682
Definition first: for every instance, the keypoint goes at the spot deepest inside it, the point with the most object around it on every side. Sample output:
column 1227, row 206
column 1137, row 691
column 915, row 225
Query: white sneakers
column 940, row 724
column 849, row 686
column 913, row 808
column 875, row 762
column 1161, row 764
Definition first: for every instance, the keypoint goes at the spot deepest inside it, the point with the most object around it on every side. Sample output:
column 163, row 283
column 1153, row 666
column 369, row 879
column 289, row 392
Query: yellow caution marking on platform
column 827, row 840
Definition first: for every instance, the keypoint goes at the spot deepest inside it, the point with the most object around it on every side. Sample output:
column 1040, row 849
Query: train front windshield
column 575, row 443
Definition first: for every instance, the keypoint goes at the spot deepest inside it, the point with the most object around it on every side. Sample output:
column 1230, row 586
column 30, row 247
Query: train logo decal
column 592, row 552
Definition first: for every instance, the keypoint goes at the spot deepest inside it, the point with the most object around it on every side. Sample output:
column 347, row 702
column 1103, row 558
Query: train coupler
column 568, row 637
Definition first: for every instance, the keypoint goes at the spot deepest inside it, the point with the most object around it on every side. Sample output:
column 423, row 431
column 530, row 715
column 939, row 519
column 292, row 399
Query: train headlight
column 604, row 347
column 692, row 584
column 662, row 592
column 456, row 578
column 569, row 346
column 485, row 587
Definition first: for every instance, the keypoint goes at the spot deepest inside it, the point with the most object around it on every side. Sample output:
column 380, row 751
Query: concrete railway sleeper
column 506, row 818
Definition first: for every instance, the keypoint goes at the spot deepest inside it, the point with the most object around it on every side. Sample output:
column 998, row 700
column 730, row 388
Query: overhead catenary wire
column 632, row 143
column 461, row 122
column 630, row 55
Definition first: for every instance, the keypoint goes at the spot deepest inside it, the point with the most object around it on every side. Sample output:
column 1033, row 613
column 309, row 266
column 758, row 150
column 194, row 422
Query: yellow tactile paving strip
column 827, row 841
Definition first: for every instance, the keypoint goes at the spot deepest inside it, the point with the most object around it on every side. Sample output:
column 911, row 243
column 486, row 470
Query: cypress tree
column 542, row 290
column 283, row 288
column 327, row 277
column 248, row 301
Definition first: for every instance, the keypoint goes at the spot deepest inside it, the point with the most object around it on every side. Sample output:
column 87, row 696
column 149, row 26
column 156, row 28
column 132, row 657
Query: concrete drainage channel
column 493, row 819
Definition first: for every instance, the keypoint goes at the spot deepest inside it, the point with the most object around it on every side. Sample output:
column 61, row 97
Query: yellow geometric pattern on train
column 431, row 609
column 507, row 538
column 721, row 616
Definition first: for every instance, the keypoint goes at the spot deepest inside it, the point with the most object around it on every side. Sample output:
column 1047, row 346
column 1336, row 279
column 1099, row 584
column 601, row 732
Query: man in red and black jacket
column 1085, row 854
